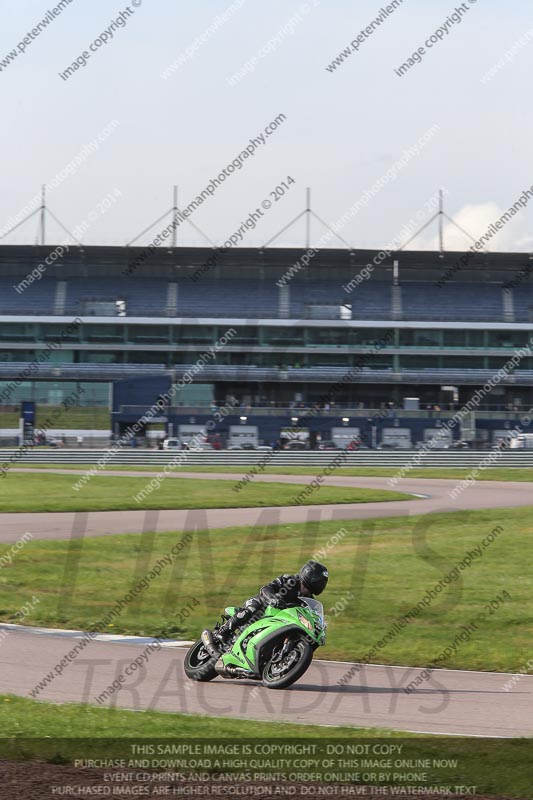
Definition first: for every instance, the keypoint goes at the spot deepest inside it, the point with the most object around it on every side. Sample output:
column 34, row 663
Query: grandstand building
column 412, row 329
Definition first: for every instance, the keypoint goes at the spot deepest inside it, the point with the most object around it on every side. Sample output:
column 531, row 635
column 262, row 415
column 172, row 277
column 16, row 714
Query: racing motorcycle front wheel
column 199, row 665
column 288, row 662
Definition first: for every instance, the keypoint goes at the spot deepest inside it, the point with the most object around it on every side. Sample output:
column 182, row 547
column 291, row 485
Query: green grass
column 489, row 474
column 74, row 417
column 59, row 734
column 386, row 564
column 23, row 492
column 34, row 719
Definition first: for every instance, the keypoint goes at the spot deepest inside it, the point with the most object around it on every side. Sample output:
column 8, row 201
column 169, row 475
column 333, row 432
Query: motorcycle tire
column 270, row 675
column 199, row 665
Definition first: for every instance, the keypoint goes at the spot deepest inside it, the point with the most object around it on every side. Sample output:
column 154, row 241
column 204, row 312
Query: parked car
column 296, row 444
column 171, row 444
column 328, row 444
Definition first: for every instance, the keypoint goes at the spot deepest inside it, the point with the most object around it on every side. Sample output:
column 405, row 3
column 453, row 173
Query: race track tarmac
column 449, row 702
column 63, row 525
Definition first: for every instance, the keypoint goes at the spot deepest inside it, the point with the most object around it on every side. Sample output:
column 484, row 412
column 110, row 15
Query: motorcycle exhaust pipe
column 230, row 670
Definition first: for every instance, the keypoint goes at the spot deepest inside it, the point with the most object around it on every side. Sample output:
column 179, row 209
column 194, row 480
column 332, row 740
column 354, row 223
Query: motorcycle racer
column 282, row 592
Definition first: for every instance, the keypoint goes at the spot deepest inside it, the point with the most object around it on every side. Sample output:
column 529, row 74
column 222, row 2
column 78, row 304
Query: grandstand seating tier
column 259, row 299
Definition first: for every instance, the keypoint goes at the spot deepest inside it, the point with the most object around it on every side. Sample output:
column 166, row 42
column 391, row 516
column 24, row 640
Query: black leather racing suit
column 282, row 592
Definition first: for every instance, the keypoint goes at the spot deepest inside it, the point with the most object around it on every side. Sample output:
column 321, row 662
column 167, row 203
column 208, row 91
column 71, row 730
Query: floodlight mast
column 178, row 216
column 175, row 217
column 42, row 210
column 175, row 212
column 43, row 214
column 441, row 221
column 439, row 215
column 308, row 213
column 307, row 218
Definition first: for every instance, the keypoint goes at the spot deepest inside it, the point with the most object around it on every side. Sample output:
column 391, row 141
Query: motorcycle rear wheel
column 199, row 665
column 293, row 666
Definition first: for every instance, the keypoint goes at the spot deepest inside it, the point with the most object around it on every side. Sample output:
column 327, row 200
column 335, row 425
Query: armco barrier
column 464, row 459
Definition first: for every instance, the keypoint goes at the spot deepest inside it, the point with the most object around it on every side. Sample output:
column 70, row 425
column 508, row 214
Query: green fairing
column 275, row 621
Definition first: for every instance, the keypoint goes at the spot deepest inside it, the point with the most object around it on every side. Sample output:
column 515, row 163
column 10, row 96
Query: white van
column 171, row 444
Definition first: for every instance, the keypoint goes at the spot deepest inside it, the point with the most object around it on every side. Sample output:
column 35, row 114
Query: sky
column 180, row 89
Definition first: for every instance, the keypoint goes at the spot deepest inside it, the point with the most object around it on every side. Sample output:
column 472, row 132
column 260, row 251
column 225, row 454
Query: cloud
column 475, row 219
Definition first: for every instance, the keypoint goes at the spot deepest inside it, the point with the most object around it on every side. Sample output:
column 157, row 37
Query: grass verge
column 78, row 417
column 379, row 571
column 25, row 492
column 59, row 734
column 35, row 719
column 489, row 474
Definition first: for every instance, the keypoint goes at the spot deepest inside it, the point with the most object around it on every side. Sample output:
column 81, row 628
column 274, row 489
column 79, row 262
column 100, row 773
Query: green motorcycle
column 276, row 649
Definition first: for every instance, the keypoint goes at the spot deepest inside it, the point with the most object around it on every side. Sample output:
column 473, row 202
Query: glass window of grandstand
column 441, row 362
column 463, row 338
column 494, row 364
column 17, row 331
column 419, row 362
column 103, row 333
column 340, row 360
column 415, row 337
column 277, row 360
column 148, row 334
column 244, row 359
column 462, row 362
column 52, row 392
column 195, row 334
column 181, row 357
column 330, row 337
column 374, row 362
column 244, row 335
column 101, row 357
column 281, row 337
column 54, row 331
column 327, row 360
column 508, row 339
column 475, row 338
column 17, row 356
column 160, row 357
column 369, row 336
column 455, row 338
